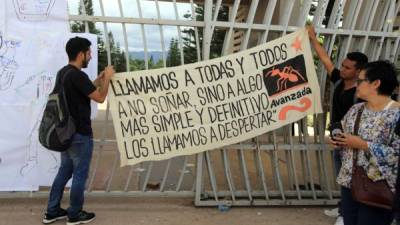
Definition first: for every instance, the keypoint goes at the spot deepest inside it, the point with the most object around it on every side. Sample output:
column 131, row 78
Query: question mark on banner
column 306, row 102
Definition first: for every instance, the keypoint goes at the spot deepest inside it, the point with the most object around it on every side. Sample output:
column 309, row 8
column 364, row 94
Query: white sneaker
column 332, row 212
column 339, row 221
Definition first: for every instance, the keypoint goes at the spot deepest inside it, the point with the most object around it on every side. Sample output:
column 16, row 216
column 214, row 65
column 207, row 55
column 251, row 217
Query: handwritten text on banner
column 162, row 113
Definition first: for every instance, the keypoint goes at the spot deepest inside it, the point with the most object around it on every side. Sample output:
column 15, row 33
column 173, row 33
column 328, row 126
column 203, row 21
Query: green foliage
column 189, row 39
column 174, row 55
column 117, row 56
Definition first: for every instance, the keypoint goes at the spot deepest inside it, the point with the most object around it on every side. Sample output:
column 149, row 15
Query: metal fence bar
column 287, row 14
column 226, row 25
column 211, row 175
column 228, row 173
column 162, row 35
column 382, row 23
column 147, row 177
column 207, row 35
column 293, row 164
column 228, row 35
column 245, row 173
column 179, row 34
column 260, row 168
column 199, row 180
column 196, row 32
column 393, row 56
column 182, row 174
column 146, row 57
column 319, row 162
column 106, row 33
column 369, row 24
column 108, row 105
column 114, row 166
column 305, row 9
column 324, row 154
column 308, row 159
column 382, row 26
column 82, row 5
column 275, row 160
column 250, row 19
column 216, row 12
column 320, row 12
column 367, row 13
column 267, row 19
column 165, row 176
column 128, row 181
column 353, row 24
column 121, row 11
column 289, row 168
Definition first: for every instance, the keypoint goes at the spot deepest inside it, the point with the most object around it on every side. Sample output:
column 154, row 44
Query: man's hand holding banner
column 162, row 113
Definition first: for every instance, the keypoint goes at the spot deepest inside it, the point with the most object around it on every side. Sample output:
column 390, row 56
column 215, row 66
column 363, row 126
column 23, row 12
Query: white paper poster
column 2, row 18
column 32, row 50
column 36, row 17
column 14, row 139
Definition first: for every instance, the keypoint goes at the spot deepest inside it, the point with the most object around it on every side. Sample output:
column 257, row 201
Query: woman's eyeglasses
column 359, row 81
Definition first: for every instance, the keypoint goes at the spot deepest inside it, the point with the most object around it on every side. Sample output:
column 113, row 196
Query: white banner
column 162, row 113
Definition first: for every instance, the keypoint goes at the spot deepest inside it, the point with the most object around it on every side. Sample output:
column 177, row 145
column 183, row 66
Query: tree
column 117, row 56
column 174, row 55
column 217, row 41
column 136, row 64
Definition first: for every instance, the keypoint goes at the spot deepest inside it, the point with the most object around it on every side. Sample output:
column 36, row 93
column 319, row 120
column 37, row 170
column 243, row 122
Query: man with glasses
column 345, row 83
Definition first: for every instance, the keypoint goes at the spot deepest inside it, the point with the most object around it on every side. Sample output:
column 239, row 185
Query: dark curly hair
column 385, row 72
column 76, row 45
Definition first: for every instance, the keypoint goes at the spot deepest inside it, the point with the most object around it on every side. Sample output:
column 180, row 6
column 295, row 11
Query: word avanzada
column 291, row 97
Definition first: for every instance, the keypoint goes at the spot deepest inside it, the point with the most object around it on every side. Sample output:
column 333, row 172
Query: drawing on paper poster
column 8, row 65
column 33, row 10
column 43, row 83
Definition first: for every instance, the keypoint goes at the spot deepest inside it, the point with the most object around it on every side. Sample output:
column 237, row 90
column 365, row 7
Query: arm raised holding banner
column 102, row 83
column 321, row 52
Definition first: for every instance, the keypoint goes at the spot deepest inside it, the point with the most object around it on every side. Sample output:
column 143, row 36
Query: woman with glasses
column 376, row 145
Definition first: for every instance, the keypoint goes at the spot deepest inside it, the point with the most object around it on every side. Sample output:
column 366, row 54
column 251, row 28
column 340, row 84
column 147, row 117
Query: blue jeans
column 75, row 163
column 355, row 213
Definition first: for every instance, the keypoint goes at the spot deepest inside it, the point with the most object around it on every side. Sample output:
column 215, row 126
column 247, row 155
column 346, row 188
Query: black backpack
column 57, row 126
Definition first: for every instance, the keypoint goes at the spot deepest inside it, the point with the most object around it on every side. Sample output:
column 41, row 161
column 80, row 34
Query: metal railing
column 289, row 166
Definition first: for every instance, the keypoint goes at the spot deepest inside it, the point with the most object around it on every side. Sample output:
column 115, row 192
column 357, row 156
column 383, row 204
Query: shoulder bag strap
column 62, row 90
column 355, row 132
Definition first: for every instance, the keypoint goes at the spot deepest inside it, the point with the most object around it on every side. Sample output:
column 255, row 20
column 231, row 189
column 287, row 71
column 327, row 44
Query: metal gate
column 289, row 166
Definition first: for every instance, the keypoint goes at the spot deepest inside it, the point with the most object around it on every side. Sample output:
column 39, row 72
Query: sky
column 134, row 33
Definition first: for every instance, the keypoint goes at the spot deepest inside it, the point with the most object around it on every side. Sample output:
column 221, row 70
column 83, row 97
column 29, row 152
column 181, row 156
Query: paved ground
column 163, row 211
column 157, row 211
